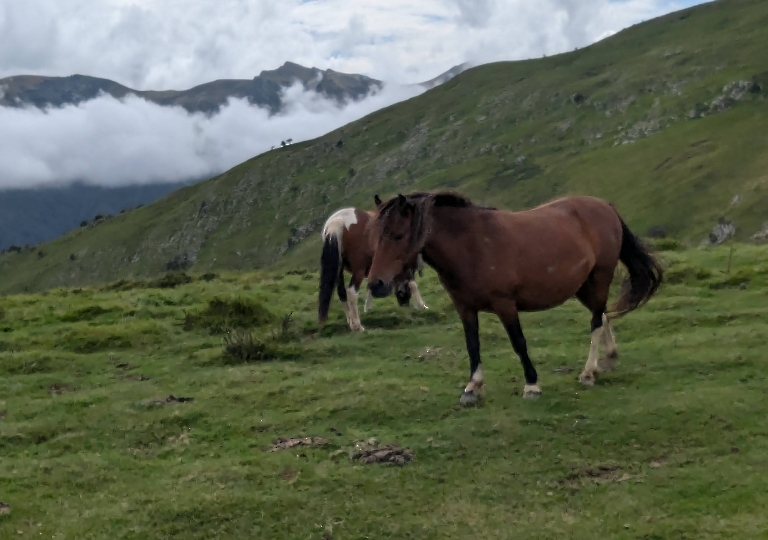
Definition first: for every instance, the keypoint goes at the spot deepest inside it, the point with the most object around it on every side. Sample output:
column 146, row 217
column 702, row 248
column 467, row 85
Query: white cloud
column 159, row 44
column 162, row 44
column 116, row 142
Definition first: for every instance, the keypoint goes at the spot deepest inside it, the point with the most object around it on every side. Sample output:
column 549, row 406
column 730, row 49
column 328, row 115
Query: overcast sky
column 161, row 44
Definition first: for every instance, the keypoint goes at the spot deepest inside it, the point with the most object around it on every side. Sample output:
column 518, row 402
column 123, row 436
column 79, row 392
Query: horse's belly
column 552, row 285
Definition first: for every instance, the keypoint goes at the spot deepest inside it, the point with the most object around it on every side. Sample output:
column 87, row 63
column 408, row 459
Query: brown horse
column 346, row 245
column 504, row 263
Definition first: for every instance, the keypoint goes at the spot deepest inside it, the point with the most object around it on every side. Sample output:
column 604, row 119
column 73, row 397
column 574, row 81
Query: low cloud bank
column 110, row 142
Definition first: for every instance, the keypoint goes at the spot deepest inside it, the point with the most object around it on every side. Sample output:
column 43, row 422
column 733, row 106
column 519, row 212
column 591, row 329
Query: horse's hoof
column 468, row 398
column 531, row 391
column 587, row 379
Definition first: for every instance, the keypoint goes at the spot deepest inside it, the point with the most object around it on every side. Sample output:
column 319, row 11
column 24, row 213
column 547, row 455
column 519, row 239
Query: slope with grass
column 667, row 119
column 92, row 445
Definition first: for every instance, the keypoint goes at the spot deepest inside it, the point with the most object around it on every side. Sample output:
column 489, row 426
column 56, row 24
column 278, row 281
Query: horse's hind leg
column 594, row 295
column 591, row 368
column 342, row 292
column 608, row 362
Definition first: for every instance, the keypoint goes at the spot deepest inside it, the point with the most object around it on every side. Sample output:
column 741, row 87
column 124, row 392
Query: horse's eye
column 399, row 237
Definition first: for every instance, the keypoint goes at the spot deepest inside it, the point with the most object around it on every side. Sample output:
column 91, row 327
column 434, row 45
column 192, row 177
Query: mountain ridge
column 263, row 90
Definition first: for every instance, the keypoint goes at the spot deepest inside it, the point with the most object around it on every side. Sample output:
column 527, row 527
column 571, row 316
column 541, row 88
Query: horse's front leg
column 472, row 336
column 352, row 295
column 508, row 314
column 368, row 302
column 419, row 301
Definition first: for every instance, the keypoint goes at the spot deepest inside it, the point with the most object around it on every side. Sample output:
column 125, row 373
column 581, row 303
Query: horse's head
column 394, row 234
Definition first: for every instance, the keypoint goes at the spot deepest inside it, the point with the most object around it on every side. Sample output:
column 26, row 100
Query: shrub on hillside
column 665, row 244
column 223, row 315
column 240, row 345
column 125, row 285
column 86, row 314
column 171, row 280
column 681, row 273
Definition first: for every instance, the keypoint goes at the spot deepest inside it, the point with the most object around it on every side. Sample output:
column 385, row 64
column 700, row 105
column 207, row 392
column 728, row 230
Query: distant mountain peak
column 447, row 76
column 264, row 90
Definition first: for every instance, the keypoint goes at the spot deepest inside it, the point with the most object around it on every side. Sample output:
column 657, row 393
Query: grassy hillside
column 667, row 119
column 671, row 445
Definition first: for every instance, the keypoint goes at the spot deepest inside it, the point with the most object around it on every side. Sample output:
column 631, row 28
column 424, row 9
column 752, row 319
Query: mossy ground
column 673, row 444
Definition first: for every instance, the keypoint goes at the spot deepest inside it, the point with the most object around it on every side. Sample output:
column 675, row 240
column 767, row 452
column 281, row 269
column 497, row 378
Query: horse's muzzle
column 379, row 289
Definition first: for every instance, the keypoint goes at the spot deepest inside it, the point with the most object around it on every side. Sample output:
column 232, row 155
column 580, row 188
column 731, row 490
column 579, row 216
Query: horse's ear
column 401, row 199
column 377, row 200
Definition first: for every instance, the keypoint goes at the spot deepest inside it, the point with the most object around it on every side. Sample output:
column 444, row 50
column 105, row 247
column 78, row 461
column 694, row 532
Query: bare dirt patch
column 371, row 452
column 167, row 400
column 286, row 444
column 289, row 475
column 563, row 369
column 59, row 388
column 600, row 474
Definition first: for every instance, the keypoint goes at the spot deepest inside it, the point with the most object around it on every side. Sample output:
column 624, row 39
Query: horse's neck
column 444, row 250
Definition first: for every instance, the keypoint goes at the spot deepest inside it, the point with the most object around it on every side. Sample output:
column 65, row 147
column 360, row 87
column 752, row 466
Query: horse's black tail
column 330, row 263
column 645, row 273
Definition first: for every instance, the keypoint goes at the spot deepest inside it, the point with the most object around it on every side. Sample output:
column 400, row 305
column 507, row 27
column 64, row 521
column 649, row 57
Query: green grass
column 670, row 445
column 510, row 134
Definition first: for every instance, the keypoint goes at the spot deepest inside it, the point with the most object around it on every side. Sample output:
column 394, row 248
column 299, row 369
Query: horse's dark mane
column 420, row 203
column 424, row 198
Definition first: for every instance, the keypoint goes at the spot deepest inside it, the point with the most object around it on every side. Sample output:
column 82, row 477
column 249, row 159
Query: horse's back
column 580, row 218
column 600, row 224
column 551, row 250
column 347, row 220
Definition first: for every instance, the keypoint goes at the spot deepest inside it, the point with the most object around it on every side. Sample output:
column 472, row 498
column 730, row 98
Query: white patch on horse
column 588, row 375
column 354, row 315
column 609, row 341
column 368, row 302
column 550, row 269
column 416, row 295
column 340, row 220
column 477, row 380
column 608, row 362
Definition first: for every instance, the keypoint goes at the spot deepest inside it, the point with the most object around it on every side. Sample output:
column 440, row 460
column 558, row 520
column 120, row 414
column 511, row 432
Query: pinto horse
column 509, row 262
column 346, row 245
